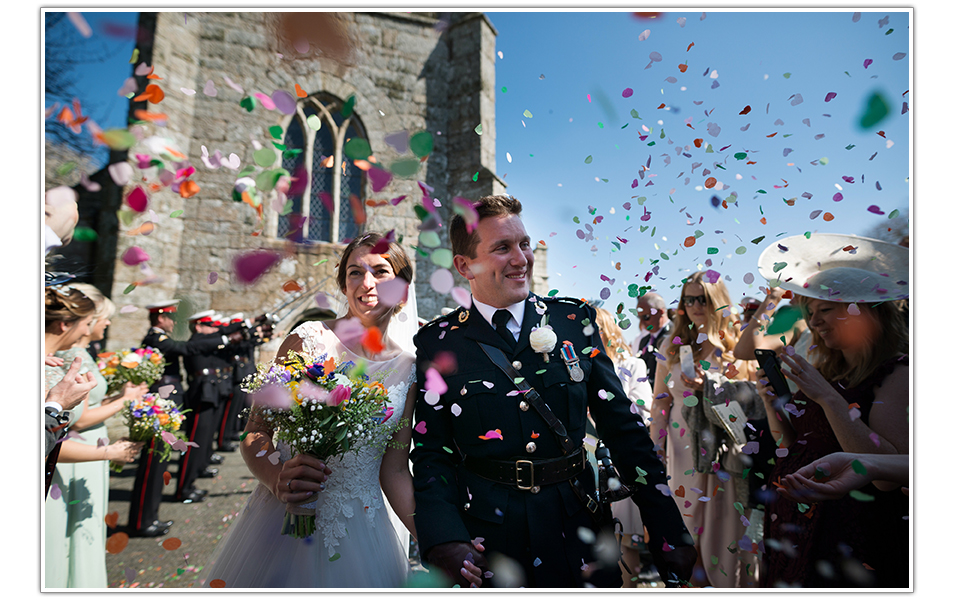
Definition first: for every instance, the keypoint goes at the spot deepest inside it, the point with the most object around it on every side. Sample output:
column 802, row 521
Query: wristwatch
column 62, row 417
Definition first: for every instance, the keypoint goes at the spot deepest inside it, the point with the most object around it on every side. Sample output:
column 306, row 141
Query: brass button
column 531, row 447
column 524, row 406
column 535, row 489
column 517, row 365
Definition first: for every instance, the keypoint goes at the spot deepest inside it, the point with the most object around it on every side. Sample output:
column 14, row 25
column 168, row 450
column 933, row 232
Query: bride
column 355, row 543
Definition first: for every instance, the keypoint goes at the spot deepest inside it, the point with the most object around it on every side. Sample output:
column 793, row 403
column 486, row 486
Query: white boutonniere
column 543, row 340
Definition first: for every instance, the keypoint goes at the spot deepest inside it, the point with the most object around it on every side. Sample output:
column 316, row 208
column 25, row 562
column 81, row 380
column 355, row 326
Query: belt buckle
column 518, row 467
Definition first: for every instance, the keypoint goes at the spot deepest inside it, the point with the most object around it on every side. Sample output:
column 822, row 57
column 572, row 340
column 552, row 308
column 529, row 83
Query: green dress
column 75, row 522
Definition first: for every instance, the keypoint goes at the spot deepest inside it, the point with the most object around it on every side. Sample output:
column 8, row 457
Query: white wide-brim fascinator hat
column 837, row 267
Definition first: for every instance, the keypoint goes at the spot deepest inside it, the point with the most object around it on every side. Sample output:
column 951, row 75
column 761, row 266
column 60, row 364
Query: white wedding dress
column 355, row 544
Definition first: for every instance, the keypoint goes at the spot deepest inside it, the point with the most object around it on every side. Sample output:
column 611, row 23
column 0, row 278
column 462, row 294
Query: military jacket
column 480, row 414
column 210, row 373
column 173, row 349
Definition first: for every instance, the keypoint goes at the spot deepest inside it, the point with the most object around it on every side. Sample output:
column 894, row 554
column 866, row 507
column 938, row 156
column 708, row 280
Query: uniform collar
column 516, row 314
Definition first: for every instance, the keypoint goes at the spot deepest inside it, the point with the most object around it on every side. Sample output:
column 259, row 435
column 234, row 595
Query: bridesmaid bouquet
column 152, row 417
column 322, row 408
column 136, row 365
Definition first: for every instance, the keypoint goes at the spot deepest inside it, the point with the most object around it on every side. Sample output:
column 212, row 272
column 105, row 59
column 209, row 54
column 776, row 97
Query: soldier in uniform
column 243, row 365
column 486, row 462
column 147, row 488
column 208, row 373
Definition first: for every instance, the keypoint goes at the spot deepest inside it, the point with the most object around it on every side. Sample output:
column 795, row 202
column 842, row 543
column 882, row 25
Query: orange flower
column 329, row 365
column 163, row 419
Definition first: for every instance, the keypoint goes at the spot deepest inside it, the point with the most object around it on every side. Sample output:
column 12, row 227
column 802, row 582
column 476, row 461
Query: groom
column 486, row 463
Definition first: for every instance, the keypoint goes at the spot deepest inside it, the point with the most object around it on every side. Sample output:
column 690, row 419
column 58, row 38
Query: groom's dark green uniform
column 478, row 418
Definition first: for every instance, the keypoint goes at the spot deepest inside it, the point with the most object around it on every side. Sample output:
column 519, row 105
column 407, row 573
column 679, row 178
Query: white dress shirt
column 516, row 315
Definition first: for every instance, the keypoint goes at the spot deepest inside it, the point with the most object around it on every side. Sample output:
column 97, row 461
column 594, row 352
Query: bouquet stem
column 299, row 521
column 116, row 467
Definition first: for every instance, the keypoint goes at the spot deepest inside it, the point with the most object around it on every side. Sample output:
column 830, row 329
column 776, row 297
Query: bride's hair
column 395, row 255
column 65, row 304
column 104, row 306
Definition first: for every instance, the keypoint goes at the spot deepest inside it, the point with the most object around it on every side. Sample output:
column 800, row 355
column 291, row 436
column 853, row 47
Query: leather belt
column 169, row 380
column 224, row 372
column 528, row 474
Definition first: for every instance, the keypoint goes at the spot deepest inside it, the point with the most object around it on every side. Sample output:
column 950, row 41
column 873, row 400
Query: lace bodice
column 354, row 483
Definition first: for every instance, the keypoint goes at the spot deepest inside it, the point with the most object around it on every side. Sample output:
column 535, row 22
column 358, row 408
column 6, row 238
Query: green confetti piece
column 600, row 124
column 405, row 167
column 690, row 400
column 651, row 144
column 705, row 364
column 803, row 507
column 65, row 168
column 447, row 450
column 429, row 239
column 84, row 234
column 518, row 380
column 635, row 114
column 714, row 559
column 889, row 32
column 823, row 160
column 246, row 171
column 275, row 131
column 740, row 155
column 858, row 467
column 175, row 214
column 357, row 148
column 443, row 257
column 180, row 571
column 421, row 144
column 876, row 110
column 287, row 208
column 625, row 125
column 894, row 214
column 664, row 256
column 292, row 152
column 119, row 139
column 786, row 75
column 761, row 191
column 248, row 103
column 785, row 318
column 129, row 288
column 504, row 89
column 738, row 506
column 712, row 250
column 479, row 130
column 135, row 56
column 640, row 402
column 860, row 497
column 264, row 157
column 779, row 266
column 348, row 107
column 540, row 372
column 709, row 150
column 279, row 146
column 741, row 250
column 320, row 262
column 588, row 159
column 528, row 114
column 314, row 122
column 476, row 174
column 758, row 240
column 335, row 557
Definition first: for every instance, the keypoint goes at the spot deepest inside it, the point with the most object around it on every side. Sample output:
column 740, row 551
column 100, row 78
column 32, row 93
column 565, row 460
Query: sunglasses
column 690, row 300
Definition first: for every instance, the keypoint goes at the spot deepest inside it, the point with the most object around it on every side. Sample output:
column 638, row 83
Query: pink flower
column 272, row 396
column 339, row 395
column 387, row 414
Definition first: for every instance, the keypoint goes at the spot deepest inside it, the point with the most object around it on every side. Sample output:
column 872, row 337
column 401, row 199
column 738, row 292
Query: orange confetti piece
column 683, row 67
column 175, row 153
column 291, row 286
column 153, row 94
column 111, row 519
column 690, row 241
column 594, row 352
column 663, row 105
column 188, row 188
column 721, row 335
column 828, row 216
column 217, row 583
column 117, row 543
column 750, row 162
column 329, row 162
column 710, row 182
column 681, row 492
column 172, row 544
column 533, row 435
column 372, row 340
column 763, row 221
column 144, row 229
column 731, row 371
column 725, row 204
column 772, row 134
column 300, row 92
column 690, row 46
column 542, row 243
column 746, row 110
column 153, row 76
column 376, row 203
column 145, row 115
column 166, row 477
column 697, row 142
column 357, row 210
column 571, row 317
column 362, row 164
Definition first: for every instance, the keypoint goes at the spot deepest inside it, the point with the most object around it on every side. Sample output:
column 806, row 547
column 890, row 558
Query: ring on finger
column 288, row 483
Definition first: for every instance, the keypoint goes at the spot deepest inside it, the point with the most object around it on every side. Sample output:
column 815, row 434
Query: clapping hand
column 827, row 478
column 73, row 388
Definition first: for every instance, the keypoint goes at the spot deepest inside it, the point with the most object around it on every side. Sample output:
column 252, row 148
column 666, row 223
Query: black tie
column 501, row 317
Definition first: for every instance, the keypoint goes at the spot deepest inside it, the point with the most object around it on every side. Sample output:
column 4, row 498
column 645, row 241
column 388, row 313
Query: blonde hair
column 104, row 306
column 890, row 339
column 616, row 347
column 722, row 331
column 65, row 304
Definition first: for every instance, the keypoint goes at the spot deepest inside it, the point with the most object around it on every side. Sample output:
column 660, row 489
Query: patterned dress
column 355, row 544
column 75, row 548
column 827, row 544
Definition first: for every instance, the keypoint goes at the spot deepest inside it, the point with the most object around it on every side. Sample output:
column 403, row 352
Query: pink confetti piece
column 129, row 308
column 465, row 208
column 209, row 89
column 434, row 382
column 187, row 91
column 134, row 255
column 868, row 62
column 627, row 92
column 392, row 291
column 128, row 87
column 379, row 178
column 284, row 102
column 327, row 201
column 442, row 280
column 213, row 277
column 233, row 85
column 455, row 410
column 814, row 214
column 830, row 96
column 874, row 438
column 130, row 574
column 493, row 435
column 250, row 266
column 274, row 457
column 55, row 492
column 874, row 209
column 838, row 197
column 796, row 99
column 461, row 297
column 398, row 141
column 80, row 24
column 265, row 100
column 166, row 390
column 121, row 173
column 644, row 36
column 421, row 427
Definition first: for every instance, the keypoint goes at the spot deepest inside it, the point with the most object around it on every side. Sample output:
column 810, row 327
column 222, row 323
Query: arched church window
column 322, row 210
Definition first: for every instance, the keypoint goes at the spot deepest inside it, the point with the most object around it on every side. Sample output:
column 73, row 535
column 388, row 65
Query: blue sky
column 570, row 71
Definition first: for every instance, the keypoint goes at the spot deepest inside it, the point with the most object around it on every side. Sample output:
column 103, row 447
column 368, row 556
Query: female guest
column 708, row 499
column 75, row 511
column 632, row 373
column 855, row 399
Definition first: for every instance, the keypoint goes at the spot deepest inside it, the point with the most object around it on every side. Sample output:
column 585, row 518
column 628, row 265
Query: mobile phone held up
column 685, row 361
column 773, row 371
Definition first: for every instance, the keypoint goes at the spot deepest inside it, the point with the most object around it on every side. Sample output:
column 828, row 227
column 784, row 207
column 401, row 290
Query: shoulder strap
column 556, row 426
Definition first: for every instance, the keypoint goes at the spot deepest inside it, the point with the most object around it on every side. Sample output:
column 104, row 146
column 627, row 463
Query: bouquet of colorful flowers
column 152, row 417
column 321, row 408
column 136, row 365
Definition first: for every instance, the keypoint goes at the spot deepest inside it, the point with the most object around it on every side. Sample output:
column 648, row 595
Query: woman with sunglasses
column 703, row 323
